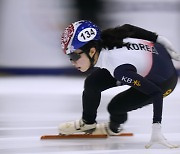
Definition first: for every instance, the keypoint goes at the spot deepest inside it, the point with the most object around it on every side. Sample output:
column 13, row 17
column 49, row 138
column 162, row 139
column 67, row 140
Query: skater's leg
column 124, row 102
column 133, row 99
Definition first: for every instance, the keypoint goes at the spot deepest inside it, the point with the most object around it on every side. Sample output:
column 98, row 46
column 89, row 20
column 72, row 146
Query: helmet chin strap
column 91, row 60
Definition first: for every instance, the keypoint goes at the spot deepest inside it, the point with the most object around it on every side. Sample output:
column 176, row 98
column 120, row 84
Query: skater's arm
column 140, row 33
column 127, row 75
column 95, row 83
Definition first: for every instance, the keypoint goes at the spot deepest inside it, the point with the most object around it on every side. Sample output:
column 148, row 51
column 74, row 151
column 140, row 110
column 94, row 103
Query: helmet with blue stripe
column 78, row 34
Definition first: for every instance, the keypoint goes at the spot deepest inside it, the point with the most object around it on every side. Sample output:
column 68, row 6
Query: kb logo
column 126, row 79
column 129, row 80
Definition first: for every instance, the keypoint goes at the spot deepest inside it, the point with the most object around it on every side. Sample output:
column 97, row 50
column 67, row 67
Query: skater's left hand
column 158, row 137
column 169, row 47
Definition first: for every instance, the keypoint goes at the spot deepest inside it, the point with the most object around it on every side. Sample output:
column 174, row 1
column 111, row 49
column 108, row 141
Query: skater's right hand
column 158, row 137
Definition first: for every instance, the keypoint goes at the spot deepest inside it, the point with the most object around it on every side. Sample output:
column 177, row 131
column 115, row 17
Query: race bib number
column 87, row 34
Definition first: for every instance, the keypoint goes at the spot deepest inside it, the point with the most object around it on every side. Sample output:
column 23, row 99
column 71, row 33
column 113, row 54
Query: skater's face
column 80, row 60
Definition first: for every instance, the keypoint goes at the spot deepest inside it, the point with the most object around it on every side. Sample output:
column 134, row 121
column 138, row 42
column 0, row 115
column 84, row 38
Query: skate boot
column 76, row 127
column 100, row 129
column 114, row 129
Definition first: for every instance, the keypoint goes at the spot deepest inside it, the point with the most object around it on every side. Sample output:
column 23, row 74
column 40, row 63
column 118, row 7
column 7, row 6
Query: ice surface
column 34, row 106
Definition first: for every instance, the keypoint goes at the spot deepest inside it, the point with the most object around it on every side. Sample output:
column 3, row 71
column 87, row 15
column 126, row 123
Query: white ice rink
column 34, row 106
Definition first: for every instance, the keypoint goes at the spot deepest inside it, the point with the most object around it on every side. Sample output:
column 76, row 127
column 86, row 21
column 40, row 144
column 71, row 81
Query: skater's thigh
column 128, row 100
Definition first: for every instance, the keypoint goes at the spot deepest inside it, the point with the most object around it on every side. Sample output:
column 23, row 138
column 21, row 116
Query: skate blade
column 75, row 136
column 79, row 136
column 124, row 134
